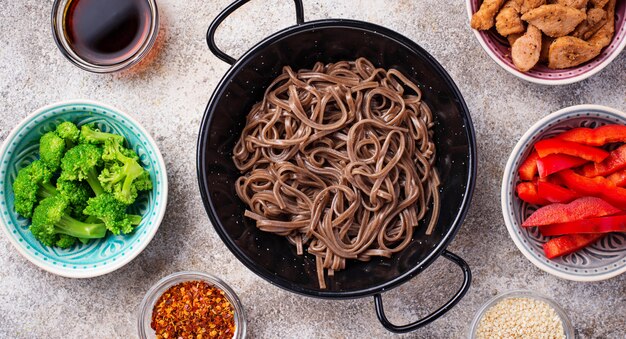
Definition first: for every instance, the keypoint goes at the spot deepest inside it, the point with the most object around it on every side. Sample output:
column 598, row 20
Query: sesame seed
column 521, row 318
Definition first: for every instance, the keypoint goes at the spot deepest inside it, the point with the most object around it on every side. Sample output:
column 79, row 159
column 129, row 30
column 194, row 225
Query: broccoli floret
column 51, row 150
column 81, row 163
column 127, row 152
column 91, row 135
column 52, row 226
column 123, row 176
column 77, row 193
column 31, row 184
column 143, row 182
column 66, row 241
column 113, row 213
column 90, row 220
column 68, row 132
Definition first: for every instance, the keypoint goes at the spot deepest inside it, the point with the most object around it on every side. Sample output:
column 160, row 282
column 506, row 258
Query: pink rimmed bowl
column 498, row 49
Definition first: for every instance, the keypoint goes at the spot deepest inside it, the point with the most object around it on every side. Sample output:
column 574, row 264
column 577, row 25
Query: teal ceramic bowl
column 97, row 257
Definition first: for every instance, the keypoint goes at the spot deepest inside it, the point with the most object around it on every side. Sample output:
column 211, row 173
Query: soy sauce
column 106, row 32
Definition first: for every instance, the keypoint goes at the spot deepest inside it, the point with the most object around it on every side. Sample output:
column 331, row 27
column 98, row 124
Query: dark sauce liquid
column 106, row 32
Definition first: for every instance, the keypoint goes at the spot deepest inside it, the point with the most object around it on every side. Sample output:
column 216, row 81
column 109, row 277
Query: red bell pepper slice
column 615, row 162
column 553, row 179
column 527, row 191
column 595, row 187
column 579, row 209
column 555, row 193
column 595, row 137
column 570, row 243
column 556, row 146
column 528, row 169
column 618, row 178
column 615, row 223
column 557, row 162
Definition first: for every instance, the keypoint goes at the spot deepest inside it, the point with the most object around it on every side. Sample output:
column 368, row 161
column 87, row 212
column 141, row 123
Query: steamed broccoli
column 89, row 220
column 31, row 184
column 51, row 150
column 63, row 191
column 67, row 241
column 52, row 226
column 68, row 132
column 123, row 176
column 77, row 193
column 113, row 213
column 91, row 135
column 81, row 163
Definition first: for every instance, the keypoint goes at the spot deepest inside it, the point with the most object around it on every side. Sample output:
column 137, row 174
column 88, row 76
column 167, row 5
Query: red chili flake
column 193, row 309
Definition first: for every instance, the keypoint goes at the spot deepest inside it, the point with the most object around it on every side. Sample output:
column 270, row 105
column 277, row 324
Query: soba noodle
column 339, row 159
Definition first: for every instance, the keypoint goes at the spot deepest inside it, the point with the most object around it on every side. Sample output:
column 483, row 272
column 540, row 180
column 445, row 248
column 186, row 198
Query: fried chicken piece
column 525, row 51
column 568, row 51
column 596, row 18
column 484, row 18
column 528, row 5
column 508, row 20
column 546, row 42
column 578, row 4
column 604, row 35
column 513, row 37
column 555, row 20
column 599, row 3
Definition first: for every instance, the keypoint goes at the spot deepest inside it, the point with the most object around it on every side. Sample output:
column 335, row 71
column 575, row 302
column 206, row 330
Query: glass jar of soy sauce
column 104, row 36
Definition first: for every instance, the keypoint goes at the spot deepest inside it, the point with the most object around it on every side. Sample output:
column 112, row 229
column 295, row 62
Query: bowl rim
column 101, row 270
column 568, row 327
column 549, row 82
column 210, row 205
column 504, row 186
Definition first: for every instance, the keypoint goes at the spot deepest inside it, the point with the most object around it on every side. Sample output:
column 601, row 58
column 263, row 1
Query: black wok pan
column 300, row 46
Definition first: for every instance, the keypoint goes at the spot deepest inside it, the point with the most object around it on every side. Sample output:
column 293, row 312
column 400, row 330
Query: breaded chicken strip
column 513, row 37
column 484, row 18
column 578, row 4
column 528, row 5
column 509, row 20
column 596, row 18
column 526, row 50
column 568, row 51
column 604, row 35
column 546, row 42
column 555, row 20
column 599, row 3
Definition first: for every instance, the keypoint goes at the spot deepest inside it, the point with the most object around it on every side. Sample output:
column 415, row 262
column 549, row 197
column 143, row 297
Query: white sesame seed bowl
column 527, row 314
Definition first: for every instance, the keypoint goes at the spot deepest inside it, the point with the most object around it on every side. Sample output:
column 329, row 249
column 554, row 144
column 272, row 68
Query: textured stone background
column 169, row 96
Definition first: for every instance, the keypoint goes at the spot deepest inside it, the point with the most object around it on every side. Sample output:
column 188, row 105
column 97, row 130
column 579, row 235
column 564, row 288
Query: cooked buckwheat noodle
column 339, row 159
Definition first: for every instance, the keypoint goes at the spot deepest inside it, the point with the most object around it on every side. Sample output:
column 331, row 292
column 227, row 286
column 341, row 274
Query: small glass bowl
column 568, row 328
column 58, row 32
column 155, row 292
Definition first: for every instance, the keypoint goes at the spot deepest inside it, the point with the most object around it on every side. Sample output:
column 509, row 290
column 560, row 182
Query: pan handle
column 467, row 279
column 210, row 34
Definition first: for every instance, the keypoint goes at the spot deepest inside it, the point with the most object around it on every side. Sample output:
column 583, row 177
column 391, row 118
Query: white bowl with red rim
column 498, row 49
column 602, row 260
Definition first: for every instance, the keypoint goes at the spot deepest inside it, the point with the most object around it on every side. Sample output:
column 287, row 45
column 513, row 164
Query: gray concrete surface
column 168, row 97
